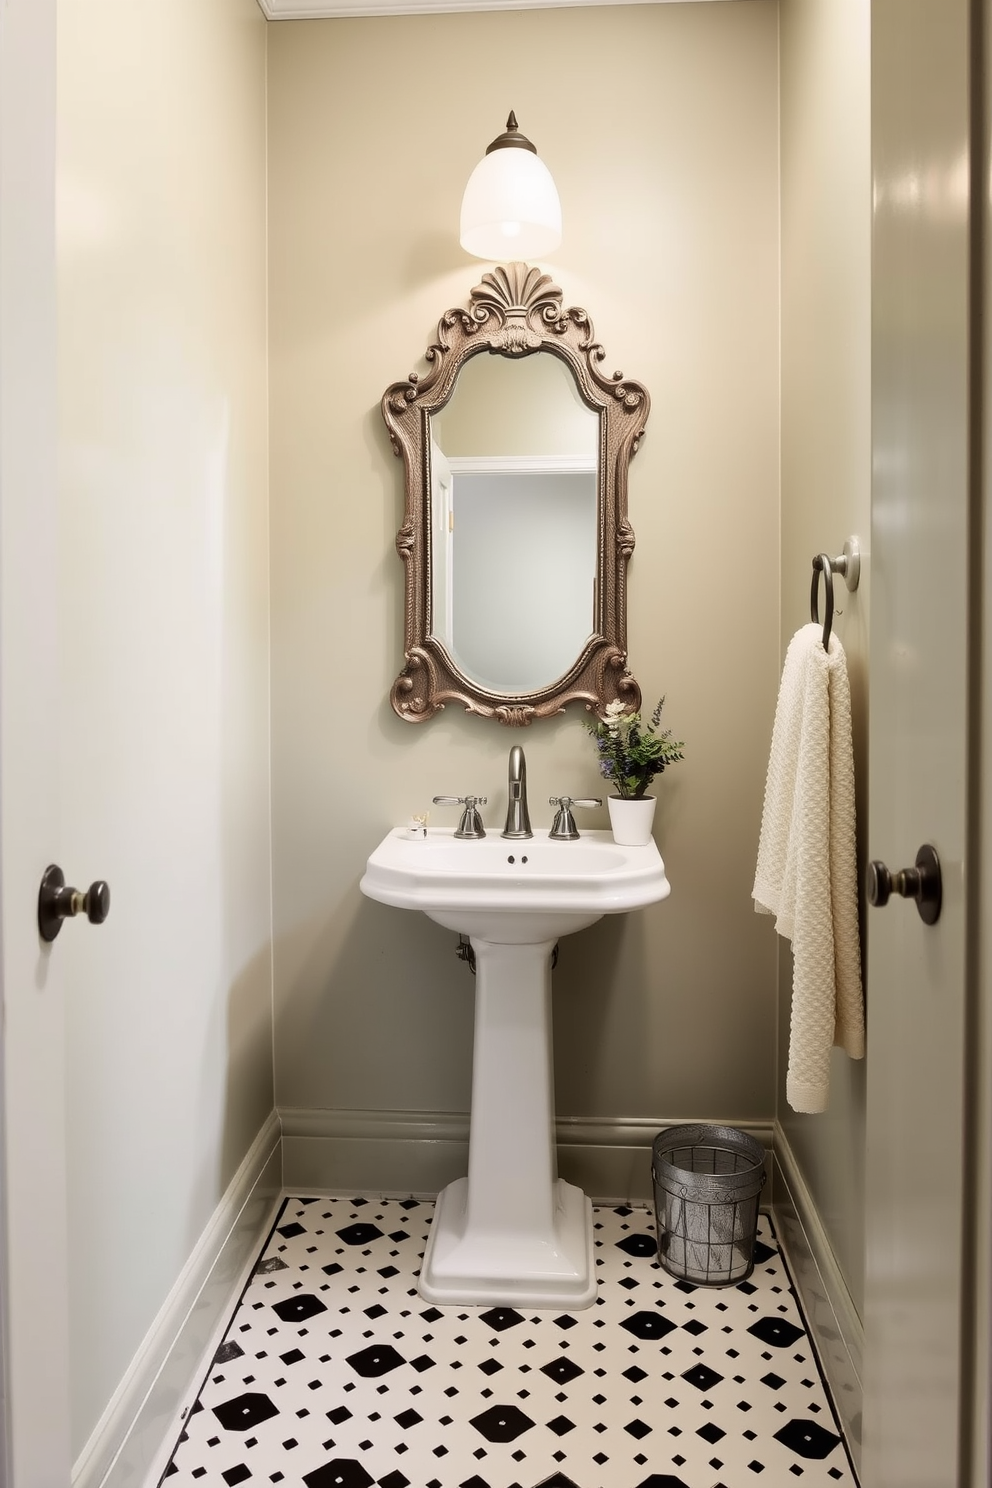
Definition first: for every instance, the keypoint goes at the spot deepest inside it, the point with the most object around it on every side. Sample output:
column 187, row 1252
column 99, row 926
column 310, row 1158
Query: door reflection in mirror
column 514, row 499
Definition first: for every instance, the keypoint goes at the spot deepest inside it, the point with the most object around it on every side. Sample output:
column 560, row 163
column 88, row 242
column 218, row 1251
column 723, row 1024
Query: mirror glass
column 513, row 501
column 515, row 540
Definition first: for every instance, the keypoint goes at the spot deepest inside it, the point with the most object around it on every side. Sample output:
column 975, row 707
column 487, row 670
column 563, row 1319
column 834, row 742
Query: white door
column 33, row 1152
column 916, row 1385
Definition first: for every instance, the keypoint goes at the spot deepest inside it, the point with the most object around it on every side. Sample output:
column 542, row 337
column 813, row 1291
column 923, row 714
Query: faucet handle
column 471, row 822
column 563, row 828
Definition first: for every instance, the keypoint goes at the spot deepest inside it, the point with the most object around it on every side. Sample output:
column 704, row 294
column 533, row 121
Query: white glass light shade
column 510, row 208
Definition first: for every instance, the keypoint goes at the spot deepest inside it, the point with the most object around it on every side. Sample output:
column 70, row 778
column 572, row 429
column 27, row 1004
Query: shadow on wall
column 599, row 1023
column 368, row 987
column 371, row 988
column 243, row 1023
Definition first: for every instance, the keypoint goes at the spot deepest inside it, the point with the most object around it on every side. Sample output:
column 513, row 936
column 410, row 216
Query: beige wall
column 826, row 469
column 164, row 579
column 661, row 126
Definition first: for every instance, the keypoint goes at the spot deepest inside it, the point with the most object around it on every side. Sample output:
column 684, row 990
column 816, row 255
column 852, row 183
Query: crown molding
column 311, row 10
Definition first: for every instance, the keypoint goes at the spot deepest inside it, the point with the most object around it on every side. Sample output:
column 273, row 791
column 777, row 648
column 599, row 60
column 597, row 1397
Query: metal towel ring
column 822, row 564
column 848, row 564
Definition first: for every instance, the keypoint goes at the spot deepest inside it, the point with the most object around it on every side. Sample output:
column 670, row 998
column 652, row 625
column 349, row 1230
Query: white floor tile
column 335, row 1373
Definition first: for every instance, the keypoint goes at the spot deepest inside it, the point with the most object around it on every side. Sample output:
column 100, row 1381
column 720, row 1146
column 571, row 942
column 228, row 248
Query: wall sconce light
column 510, row 208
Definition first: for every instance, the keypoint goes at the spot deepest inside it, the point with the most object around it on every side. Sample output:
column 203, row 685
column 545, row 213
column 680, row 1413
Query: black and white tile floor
column 335, row 1373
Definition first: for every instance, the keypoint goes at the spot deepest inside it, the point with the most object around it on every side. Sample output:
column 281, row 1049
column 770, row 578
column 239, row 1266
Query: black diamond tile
column 364, row 1318
column 250, row 1409
column 502, row 1423
column 702, row 1377
column 501, row 1318
column 638, row 1245
column 359, row 1234
column 762, row 1253
column 776, row 1332
column 378, row 1358
column 289, row 1230
column 648, row 1325
column 342, row 1472
column 807, row 1439
column 562, row 1370
column 237, row 1474
column 298, row 1308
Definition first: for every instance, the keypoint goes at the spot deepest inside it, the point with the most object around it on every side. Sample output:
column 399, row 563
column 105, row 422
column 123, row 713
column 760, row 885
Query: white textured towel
column 807, row 869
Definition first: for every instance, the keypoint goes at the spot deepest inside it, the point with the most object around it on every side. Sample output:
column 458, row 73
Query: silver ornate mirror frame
column 514, row 312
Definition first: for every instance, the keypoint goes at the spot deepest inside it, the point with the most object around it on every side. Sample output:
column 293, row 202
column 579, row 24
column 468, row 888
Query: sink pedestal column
column 512, row 1232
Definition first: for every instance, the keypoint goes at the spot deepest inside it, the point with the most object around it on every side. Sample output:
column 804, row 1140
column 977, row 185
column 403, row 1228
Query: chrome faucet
column 517, row 817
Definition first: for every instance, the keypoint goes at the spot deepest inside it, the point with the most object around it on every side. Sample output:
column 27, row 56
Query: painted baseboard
column 837, row 1330
column 131, row 1441
column 418, row 1152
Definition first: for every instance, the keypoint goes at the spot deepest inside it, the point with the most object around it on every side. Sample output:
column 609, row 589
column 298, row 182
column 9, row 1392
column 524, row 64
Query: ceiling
column 298, row 10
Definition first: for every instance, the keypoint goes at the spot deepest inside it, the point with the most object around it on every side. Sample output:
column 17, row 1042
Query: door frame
column 34, row 1259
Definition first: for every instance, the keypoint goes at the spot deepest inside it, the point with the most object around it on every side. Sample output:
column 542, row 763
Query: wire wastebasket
column 707, row 1182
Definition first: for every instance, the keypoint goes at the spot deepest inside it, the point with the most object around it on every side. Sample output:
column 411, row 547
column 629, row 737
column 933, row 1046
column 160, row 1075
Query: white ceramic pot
column 631, row 820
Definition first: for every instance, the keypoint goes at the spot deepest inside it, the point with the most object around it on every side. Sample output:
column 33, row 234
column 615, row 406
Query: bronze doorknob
column 58, row 902
column 921, row 882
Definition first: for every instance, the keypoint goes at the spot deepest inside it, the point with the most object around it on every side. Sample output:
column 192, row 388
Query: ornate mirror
column 515, row 534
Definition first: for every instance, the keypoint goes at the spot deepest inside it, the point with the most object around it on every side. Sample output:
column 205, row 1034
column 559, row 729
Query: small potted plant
column 630, row 756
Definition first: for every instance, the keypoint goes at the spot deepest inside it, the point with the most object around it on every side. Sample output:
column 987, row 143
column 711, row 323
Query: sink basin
column 514, row 892
column 512, row 1232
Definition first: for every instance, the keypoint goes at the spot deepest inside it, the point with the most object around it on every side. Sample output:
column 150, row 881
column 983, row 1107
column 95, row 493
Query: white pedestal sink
column 512, row 1232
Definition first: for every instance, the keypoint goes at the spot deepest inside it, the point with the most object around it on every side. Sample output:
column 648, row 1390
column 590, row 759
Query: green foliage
column 630, row 755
